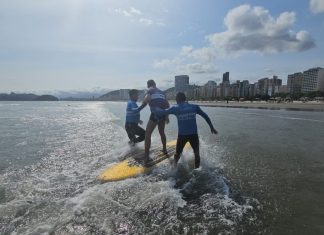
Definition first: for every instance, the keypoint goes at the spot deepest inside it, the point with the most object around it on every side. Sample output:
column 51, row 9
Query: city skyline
column 78, row 45
column 300, row 85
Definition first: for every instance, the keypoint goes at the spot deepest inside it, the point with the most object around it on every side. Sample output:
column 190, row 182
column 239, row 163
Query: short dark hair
column 150, row 83
column 180, row 97
column 132, row 92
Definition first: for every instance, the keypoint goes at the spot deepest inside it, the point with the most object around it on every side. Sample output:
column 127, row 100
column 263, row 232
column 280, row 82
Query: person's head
column 180, row 97
column 133, row 94
column 151, row 83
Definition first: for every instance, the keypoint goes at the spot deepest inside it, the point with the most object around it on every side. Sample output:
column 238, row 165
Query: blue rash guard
column 186, row 116
column 133, row 112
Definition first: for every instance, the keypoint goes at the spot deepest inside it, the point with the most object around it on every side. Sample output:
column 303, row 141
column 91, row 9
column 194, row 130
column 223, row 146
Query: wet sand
column 309, row 106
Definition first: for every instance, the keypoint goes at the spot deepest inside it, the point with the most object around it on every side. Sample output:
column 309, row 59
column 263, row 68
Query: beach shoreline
column 293, row 106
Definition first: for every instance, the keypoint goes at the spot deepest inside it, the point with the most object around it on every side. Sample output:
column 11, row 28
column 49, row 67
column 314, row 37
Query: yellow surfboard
column 132, row 166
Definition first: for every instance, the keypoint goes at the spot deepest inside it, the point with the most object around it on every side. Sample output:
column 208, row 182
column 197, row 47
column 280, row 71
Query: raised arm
column 207, row 119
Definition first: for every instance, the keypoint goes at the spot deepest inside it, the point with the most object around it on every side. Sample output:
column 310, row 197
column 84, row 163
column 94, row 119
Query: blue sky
column 82, row 44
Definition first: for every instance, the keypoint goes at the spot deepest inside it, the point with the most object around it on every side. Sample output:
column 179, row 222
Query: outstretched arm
column 135, row 110
column 163, row 112
column 207, row 119
column 143, row 105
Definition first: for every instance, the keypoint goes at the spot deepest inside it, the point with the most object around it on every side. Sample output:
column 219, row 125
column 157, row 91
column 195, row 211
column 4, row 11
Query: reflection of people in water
column 156, row 99
column 187, row 126
column 135, row 133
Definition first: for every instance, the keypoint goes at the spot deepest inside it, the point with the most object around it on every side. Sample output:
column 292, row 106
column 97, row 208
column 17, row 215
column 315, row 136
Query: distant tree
column 265, row 97
column 282, row 95
column 297, row 96
column 314, row 94
column 257, row 96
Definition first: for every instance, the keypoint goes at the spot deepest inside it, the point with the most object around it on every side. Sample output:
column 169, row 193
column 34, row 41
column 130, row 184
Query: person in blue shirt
column 187, row 126
column 135, row 133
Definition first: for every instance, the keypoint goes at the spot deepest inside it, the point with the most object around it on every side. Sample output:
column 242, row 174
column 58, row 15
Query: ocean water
column 263, row 173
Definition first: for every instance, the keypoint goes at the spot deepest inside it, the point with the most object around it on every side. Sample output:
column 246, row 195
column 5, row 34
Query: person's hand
column 140, row 122
column 214, row 131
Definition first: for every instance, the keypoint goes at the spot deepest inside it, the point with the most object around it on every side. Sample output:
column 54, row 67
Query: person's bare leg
column 161, row 126
column 148, row 133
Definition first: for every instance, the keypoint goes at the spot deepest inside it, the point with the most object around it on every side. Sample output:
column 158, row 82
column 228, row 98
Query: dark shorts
column 135, row 133
column 156, row 119
column 183, row 139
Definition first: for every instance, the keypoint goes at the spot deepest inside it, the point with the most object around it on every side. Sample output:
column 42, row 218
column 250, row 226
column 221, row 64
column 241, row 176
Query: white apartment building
column 181, row 83
column 295, row 83
column 313, row 80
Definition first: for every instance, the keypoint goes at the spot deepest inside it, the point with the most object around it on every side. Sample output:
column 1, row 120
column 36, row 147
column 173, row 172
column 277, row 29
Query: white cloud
column 123, row 12
column 186, row 50
column 146, row 21
column 197, row 68
column 317, row 6
column 254, row 29
column 182, row 64
column 135, row 11
column 136, row 15
column 206, row 54
column 166, row 63
column 249, row 29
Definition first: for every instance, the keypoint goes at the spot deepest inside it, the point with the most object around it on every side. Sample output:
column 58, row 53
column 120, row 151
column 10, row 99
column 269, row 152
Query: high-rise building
column 226, row 77
column 225, row 85
column 295, row 83
column 219, row 91
column 283, row 89
column 235, row 89
column 209, row 90
column 244, row 88
column 251, row 90
column 274, row 84
column 313, row 80
column 181, row 83
column 263, row 86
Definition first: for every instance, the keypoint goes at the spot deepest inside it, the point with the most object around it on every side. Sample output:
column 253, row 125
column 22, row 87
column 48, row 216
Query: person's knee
column 141, row 138
column 148, row 133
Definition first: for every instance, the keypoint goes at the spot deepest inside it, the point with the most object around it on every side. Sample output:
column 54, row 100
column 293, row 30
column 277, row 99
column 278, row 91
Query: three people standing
column 160, row 109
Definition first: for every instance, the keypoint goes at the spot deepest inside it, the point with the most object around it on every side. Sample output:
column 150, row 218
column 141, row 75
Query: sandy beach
column 296, row 105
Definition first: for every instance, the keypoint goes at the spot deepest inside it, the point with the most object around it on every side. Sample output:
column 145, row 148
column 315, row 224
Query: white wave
column 22, row 143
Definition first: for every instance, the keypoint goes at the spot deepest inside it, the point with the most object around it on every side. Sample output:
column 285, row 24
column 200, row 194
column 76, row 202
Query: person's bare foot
column 131, row 143
column 147, row 161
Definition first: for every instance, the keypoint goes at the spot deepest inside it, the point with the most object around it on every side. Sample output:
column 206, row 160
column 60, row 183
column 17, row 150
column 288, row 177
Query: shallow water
column 263, row 173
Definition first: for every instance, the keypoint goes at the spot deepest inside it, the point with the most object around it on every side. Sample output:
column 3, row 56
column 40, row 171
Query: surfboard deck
column 133, row 165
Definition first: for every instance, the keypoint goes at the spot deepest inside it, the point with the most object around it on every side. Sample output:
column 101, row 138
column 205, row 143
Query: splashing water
column 57, row 193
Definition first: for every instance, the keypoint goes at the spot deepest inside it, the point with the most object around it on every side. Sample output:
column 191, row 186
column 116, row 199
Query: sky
column 83, row 45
